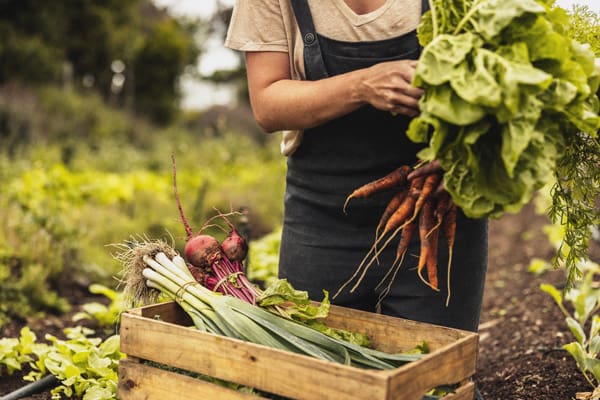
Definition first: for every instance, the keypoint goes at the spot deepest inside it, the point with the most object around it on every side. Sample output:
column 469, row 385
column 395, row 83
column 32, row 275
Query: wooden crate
column 163, row 334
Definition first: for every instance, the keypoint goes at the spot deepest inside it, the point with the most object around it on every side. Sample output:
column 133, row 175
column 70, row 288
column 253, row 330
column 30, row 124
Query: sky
column 219, row 57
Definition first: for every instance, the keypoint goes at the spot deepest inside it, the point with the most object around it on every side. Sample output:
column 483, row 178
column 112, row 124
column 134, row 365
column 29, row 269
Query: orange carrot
column 432, row 258
column 392, row 206
column 395, row 223
column 429, row 186
column 395, row 178
column 406, row 209
column 444, row 202
column 405, row 238
column 449, row 231
column 426, row 222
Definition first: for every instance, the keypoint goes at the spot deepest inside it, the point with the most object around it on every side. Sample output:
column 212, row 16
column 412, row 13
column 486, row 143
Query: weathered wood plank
column 143, row 382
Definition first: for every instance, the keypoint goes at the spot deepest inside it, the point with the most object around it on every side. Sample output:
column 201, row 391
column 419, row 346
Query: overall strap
column 313, row 61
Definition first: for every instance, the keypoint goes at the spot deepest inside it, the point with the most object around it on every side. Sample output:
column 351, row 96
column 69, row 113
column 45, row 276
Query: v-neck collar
column 361, row 19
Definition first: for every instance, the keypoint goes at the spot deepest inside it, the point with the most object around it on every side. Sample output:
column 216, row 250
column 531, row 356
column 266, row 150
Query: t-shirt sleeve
column 257, row 25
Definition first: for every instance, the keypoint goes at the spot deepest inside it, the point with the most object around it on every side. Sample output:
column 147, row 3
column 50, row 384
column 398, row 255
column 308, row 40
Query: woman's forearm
column 292, row 104
column 280, row 103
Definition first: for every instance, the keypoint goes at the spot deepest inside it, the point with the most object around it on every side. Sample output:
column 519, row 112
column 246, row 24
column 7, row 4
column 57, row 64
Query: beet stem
column 188, row 231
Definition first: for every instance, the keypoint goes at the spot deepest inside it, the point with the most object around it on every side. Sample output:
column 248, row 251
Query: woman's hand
column 432, row 167
column 387, row 86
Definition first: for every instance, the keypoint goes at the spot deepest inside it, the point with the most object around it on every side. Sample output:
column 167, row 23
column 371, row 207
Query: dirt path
column 522, row 331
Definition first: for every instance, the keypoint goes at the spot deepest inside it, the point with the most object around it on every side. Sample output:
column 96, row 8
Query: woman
column 335, row 75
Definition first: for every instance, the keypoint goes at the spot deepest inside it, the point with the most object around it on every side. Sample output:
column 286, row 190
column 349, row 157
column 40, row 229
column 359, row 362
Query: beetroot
column 217, row 266
column 234, row 245
column 202, row 250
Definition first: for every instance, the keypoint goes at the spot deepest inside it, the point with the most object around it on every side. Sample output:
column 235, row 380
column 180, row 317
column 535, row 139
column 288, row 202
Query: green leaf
column 576, row 329
column 594, row 346
column 493, row 16
column 552, row 291
column 110, row 347
column 475, row 83
column 596, row 372
column 443, row 59
column 595, row 326
column 81, row 356
column 445, row 104
column 578, row 353
column 281, row 292
column 97, row 392
column 103, row 290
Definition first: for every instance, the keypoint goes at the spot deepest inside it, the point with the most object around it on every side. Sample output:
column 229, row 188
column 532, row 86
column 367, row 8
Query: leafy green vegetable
column 86, row 367
column 510, row 105
column 582, row 314
column 106, row 316
column 16, row 351
column 299, row 307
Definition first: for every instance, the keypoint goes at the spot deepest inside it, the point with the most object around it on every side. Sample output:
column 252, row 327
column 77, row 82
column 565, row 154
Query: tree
column 81, row 41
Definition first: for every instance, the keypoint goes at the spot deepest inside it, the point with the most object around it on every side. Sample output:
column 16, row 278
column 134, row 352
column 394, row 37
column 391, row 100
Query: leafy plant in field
column 105, row 316
column 263, row 258
column 86, row 367
column 14, row 352
column 583, row 322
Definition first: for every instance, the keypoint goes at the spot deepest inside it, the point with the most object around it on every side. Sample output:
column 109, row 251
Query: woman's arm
column 279, row 103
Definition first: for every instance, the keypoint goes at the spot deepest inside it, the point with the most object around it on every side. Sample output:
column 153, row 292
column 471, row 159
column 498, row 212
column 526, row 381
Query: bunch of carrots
column 419, row 205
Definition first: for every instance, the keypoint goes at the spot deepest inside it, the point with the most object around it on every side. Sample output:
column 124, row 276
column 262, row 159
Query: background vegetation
column 89, row 118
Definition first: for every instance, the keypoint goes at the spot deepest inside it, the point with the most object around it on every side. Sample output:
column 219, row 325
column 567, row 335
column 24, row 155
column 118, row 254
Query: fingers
column 402, row 110
column 388, row 87
column 426, row 169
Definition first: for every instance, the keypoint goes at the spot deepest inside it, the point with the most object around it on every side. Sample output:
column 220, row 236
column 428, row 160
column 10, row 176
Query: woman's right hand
column 387, row 86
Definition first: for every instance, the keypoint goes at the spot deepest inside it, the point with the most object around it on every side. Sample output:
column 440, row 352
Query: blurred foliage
column 585, row 26
column 128, row 51
column 104, row 316
column 79, row 176
column 263, row 258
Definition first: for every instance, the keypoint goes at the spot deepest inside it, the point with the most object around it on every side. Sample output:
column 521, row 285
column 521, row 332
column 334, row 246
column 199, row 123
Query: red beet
column 234, row 246
column 202, row 250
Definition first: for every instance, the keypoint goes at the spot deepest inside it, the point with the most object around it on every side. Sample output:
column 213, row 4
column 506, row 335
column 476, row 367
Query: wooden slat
column 464, row 392
column 390, row 333
column 143, row 382
column 167, row 312
column 447, row 366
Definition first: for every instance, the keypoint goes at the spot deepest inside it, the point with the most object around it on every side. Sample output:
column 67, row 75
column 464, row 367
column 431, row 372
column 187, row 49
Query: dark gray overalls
column 321, row 246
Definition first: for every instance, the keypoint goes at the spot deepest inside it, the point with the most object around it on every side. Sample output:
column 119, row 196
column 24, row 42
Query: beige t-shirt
column 270, row 25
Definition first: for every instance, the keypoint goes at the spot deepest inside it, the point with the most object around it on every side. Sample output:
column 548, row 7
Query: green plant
column 14, row 352
column 584, row 300
column 86, row 367
column 263, row 258
column 106, row 316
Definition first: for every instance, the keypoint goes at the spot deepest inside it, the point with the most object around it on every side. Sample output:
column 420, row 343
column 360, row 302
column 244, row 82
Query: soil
column 521, row 333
